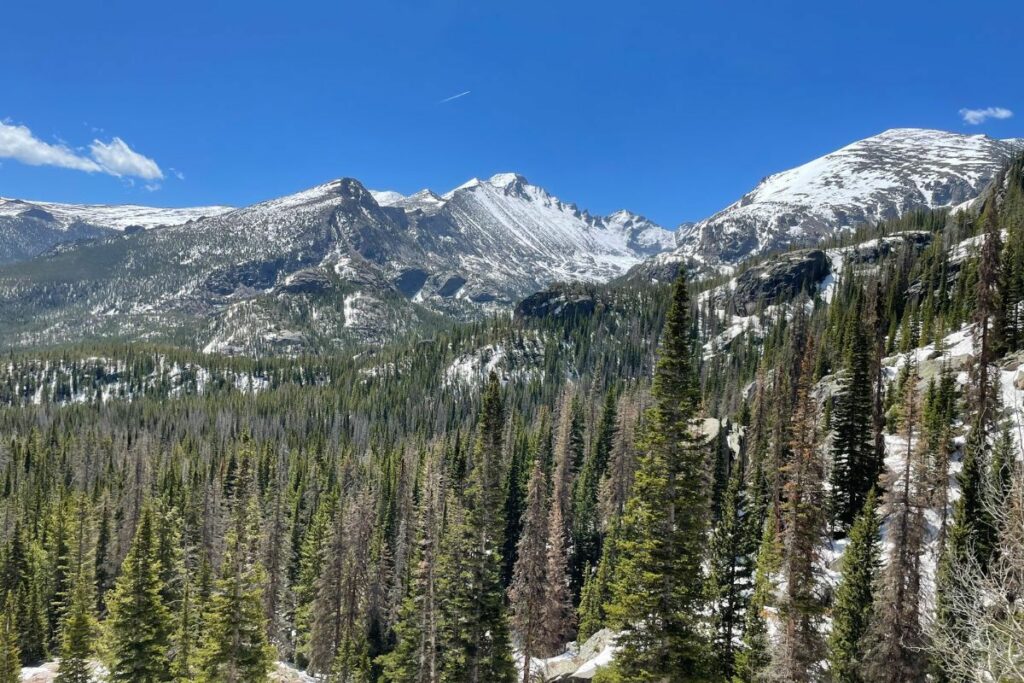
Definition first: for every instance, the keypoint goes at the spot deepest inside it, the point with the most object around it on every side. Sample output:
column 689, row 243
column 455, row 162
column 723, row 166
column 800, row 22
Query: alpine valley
column 485, row 436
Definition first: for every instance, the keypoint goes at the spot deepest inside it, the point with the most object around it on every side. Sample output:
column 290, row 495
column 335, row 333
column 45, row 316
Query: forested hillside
column 808, row 470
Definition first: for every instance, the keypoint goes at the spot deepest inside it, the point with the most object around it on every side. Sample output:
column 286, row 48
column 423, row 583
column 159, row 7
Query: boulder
column 578, row 662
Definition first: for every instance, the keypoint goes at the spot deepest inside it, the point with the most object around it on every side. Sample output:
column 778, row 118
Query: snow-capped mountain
column 880, row 177
column 320, row 267
column 28, row 228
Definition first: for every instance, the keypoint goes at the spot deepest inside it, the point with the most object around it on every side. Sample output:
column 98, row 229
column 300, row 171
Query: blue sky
column 671, row 109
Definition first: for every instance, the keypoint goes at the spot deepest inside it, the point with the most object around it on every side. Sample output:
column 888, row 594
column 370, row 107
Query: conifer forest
column 681, row 477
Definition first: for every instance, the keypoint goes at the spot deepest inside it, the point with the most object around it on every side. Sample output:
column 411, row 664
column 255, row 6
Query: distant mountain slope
column 28, row 228
column 321, row 268
column 877, row 178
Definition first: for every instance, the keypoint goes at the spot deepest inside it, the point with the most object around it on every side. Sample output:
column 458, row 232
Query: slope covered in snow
column 28, row 228
column 115, row 216
column 880, row 177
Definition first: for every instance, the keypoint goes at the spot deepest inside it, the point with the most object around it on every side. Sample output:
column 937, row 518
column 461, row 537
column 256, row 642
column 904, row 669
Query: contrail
column 455, row 97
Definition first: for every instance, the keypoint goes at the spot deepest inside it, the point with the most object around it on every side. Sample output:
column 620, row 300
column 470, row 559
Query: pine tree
column 78, row 630
column 851, row 612
column 139, row 624
column 557, row 614
column 895, row 643
column 729, row 583
column 800, row 648
column 527, row 594
column 236, row 648
column 10, row 656
column 854, row 466
column 753, row 658
column 414, row 658
column 658, row 597
column 473, row 622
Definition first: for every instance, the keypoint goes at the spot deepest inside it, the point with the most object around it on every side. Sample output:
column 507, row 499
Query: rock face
column 881, row 177
column 560, row 301
column 873, row 251
column 782, row 278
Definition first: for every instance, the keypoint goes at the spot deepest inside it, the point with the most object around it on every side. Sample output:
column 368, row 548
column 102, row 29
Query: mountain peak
column 877, row 178
column 505, row 181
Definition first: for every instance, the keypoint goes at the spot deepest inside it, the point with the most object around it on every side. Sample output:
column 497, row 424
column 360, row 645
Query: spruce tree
column 339, row 648
column 527, row 594
column 895, row 643
column 10, row 656
column 586, row 521
column 597, row 588
column 312, row 559
column 236, row 648
column 415, row 657
column 731, row 567
column 799, row 649
column 557, row 614
column 78, row 630
column 23, row 578
column 851, row 612
column 754, row 656
column 474, row 627
column 659, row 598
column 139, row 625
column 854, row 465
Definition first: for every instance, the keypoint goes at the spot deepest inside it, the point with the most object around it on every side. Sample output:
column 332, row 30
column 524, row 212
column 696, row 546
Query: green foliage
column 474, row 631
column 78, row 631
column 10, row 656
column 732, row 548
column 855, row 468
column 851, row 611
column 659, row 598
column 236, row 648
column 139, row 626
column 362, row 514
column 753, row 658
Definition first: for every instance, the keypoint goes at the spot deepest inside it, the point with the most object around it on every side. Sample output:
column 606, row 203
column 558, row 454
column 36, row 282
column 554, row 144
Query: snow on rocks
column 116, row 217
column 578, row 661
column 877, row 178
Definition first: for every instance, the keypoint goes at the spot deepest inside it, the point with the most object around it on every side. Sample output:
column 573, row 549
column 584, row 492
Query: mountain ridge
column 872, row 179
column 320, row 268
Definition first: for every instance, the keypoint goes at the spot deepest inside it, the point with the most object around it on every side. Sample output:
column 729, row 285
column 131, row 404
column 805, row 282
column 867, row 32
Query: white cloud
column 18, row 143
column 114, row 158
column 118, row 159
column 975, row 116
